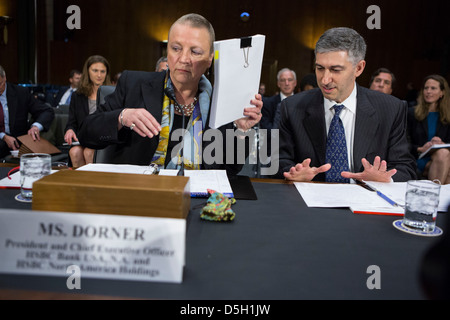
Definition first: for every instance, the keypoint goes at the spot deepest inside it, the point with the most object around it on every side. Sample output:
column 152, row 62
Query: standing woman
column 83, row 103
column 429, row 124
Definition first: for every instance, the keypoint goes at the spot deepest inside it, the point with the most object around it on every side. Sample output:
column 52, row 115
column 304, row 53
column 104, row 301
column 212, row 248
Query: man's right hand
column 302, row 172
column 11, row 142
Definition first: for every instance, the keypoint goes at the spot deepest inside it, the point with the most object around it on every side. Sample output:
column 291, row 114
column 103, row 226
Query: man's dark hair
column 383, row 70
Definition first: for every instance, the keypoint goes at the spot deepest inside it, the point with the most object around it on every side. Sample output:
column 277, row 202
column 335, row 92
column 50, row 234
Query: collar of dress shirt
column 282, row 96
column 349, row 103
column 4, row 92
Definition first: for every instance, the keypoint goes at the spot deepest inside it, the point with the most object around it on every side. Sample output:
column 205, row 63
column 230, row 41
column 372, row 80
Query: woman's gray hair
column 343, row 39
column 197, row 21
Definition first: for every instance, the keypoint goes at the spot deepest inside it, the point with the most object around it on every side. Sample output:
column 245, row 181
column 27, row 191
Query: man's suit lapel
column 314, row 124
column 366, row 125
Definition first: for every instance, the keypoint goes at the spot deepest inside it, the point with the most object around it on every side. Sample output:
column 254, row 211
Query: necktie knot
column 338, row 109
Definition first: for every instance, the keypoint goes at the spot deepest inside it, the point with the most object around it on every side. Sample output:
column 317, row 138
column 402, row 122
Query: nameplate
column 96, row 246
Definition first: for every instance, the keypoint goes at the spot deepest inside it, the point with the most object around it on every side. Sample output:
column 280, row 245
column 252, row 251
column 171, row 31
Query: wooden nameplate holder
column 113, row 193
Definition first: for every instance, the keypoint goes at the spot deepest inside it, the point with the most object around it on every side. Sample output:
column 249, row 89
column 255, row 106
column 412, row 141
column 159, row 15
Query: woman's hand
column 252, row 115
column 139, row 120
column 70, row 136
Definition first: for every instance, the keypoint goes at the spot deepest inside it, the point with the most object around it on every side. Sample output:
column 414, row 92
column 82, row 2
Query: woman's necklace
column 187, row 109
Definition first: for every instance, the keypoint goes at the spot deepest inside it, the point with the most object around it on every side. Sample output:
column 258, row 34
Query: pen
column 392, row 202
column 380, row 194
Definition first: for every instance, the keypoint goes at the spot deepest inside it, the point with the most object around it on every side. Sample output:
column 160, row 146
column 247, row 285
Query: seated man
column 342, row 131
column 382, row 80
column 286, row 81
column 64, row 95
column 15, row 104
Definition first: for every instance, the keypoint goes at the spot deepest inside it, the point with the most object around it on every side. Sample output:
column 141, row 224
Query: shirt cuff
column 38, row 125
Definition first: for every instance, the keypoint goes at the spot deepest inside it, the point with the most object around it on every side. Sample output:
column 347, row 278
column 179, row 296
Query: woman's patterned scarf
column 194, row 132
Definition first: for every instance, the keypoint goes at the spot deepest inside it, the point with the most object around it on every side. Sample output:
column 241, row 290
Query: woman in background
column 428, row 125
column 84, row 102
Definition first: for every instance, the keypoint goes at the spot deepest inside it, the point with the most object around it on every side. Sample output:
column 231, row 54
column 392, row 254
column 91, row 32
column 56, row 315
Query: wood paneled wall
column 414, row 39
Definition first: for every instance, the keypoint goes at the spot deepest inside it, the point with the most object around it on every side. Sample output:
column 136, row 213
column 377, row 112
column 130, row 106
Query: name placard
column 101, row 246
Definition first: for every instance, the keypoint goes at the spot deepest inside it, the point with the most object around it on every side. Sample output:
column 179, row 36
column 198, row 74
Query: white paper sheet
column 202, row 180
column 397, row 191
column 436, row 146
column 14, row 182
column 354, row 196
column 338, row 195
column 199, row 180
column 235, row 82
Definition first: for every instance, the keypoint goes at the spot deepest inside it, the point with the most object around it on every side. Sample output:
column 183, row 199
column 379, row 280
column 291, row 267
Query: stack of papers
column 237, row 74
column 13, row 182
column 361, row 200
column 436, row 146
column 199, row 180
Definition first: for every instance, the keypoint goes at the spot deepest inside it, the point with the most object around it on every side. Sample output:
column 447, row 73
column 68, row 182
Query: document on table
column 361, row 200
column 397, row 191
column 202, row 180
column 436, row 146
column 199, row 180
column 338, row 195
column 237, row 74
column 14, row 182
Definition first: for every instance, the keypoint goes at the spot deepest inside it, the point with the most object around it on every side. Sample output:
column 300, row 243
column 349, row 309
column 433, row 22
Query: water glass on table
column 421, row 205
column 33, row 166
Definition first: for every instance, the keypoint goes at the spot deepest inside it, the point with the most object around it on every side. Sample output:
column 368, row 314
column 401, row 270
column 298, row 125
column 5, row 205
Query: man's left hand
column 252, row 115
column 376, row 172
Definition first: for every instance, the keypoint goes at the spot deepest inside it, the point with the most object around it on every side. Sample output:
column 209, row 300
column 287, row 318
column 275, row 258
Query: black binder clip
column 246, row 44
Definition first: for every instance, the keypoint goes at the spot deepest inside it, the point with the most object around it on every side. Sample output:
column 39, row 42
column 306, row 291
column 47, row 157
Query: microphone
column 170, row 93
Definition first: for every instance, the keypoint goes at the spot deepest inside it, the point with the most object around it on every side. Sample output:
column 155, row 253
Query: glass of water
column 33, row 166
column 421, row 205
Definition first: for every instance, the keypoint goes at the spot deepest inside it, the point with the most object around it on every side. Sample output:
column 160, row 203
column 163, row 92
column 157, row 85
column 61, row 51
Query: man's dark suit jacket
column 380, row 130
column 59, row 95
column 78, row 111
column 418, row 132
column 135, row 89
column 268, row 111
column 21, row 103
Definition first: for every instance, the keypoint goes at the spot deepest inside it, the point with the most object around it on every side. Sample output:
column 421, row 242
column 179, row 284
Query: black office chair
column 102, row 92
column 104, row 155
column 62, row 109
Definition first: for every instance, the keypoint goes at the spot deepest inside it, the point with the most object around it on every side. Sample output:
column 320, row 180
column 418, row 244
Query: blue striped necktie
column 70, row 97
column 336, row 152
